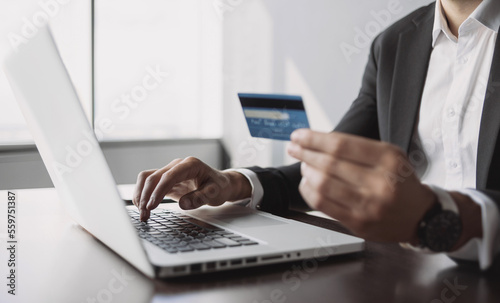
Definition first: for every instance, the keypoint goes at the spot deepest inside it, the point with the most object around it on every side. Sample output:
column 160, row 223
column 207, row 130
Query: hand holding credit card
column 273, row 116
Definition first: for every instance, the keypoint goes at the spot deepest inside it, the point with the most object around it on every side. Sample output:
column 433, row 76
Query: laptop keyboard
column 178, row 233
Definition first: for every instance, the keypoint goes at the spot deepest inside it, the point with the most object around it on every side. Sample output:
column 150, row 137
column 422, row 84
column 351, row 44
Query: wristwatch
column 441, row 227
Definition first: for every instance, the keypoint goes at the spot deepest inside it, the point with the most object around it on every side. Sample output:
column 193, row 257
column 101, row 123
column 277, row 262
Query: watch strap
column 444, row 198
column 444, row 202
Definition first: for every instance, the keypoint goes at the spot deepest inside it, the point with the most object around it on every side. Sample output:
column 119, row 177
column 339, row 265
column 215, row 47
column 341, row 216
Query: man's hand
column 191, row 182
column 367, row 185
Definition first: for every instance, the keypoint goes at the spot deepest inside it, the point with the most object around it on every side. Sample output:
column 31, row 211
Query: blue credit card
column 273, row 116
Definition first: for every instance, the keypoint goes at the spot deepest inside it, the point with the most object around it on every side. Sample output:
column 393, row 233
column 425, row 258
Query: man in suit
column 415, row 160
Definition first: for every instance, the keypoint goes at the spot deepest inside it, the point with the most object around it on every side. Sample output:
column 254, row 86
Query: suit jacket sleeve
column 281, row 184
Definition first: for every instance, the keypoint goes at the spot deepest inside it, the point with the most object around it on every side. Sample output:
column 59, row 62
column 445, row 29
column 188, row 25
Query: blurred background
column 166, row 73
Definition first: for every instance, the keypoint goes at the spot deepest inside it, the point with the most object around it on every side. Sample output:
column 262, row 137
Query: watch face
column 443, row 231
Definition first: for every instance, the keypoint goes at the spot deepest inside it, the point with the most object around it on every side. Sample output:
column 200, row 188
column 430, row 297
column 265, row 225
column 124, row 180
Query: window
column 157, row 66
column 71, row 26
column 158, row 69
column 13, row 129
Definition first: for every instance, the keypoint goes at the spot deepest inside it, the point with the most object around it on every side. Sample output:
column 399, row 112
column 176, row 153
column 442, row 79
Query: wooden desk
column 59, row 262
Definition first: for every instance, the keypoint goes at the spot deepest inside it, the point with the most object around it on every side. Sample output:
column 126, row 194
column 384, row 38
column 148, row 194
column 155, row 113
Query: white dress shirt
column 444, row 147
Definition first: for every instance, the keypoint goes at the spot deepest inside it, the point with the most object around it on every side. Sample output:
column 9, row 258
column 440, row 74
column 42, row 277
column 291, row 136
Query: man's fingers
column 207, row 194
column 350, row 172
column 353, row 148
column 141, row 178
column 162, row 190
column 329, row 188
column 180, row 190
column 316, row 201
column 187, row 169
column 145, row 184
column 151, row 182
column 179, row 177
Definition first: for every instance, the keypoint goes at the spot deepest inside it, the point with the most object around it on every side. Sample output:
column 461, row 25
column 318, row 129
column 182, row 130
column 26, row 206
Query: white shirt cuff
column 257, row 189
column 482, row 250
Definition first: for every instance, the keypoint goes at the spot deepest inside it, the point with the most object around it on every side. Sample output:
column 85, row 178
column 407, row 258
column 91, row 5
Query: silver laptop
column 174, row 242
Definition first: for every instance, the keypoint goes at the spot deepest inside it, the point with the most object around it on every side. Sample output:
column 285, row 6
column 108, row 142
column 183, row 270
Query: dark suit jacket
column 387, row 108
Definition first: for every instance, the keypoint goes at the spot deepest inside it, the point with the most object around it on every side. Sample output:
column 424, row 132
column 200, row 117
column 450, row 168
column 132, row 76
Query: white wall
column 315, row 48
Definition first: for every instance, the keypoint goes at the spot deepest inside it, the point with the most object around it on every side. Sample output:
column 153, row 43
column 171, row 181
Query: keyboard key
column 173, row 233
column 224, row 233
column 202, row 224
column 161, row 237
column 247, row 243
column 181, row 243
column 154, row 233
column 214, row 244
column 199, row 246
column 163, row 228
column 239, row 239
column 173, row 240
column 185, row 248
column 167, row 217
column 227, row 242
column 165, row 237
